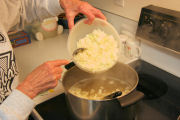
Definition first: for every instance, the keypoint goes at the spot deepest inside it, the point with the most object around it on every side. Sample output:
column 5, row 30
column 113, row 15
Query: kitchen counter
column 37, row 52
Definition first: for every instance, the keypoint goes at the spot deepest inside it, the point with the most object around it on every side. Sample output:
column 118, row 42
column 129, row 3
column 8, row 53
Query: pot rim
column 104, row 100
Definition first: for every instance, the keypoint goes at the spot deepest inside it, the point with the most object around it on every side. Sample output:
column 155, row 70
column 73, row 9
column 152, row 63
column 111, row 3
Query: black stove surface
column 161, row 101
column 162, row 94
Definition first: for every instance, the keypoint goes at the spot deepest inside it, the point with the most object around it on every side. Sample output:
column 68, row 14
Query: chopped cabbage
column 101, row 52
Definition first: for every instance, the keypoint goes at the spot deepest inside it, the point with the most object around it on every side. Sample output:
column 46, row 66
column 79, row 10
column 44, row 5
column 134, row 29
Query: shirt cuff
column 19, row 104
column 54, row 7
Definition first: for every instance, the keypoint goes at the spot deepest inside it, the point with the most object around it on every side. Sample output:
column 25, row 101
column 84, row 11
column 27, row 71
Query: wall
column 132, row 8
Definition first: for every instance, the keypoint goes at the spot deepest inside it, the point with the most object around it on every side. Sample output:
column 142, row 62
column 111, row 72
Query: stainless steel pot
column 113, row 109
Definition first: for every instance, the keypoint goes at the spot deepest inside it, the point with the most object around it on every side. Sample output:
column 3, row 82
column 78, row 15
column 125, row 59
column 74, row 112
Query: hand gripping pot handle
column 131, row 98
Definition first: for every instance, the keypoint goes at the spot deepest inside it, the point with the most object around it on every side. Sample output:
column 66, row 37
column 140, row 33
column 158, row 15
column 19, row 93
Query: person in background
column 17, row 98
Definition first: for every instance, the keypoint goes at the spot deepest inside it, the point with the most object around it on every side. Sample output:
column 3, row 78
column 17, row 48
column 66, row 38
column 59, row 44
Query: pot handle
column 70, row 65
column 131, row 98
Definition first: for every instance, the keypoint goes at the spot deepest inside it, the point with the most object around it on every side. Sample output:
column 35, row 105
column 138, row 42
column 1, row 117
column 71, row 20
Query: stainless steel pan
column 111, row 109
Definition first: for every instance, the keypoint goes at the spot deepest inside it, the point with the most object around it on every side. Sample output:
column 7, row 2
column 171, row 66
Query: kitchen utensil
column 129, row 48
column 132, row 50
column 80, row 30
column 78, row 51
column 99, row 109
column 113, row 95
column 71, row 64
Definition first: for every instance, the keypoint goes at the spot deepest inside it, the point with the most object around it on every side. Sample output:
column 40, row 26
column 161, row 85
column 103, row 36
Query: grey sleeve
column 16, row 107
column 40, row 9
column 14, row 13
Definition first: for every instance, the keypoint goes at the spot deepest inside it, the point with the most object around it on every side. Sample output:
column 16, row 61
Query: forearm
column 17, row 106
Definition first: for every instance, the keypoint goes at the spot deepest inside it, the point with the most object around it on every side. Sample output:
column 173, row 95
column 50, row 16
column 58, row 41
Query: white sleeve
column 17, row 106
column 40, row 9
column 14, row 13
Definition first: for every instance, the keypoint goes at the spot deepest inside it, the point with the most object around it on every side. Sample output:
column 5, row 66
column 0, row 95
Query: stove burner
column 151, row 86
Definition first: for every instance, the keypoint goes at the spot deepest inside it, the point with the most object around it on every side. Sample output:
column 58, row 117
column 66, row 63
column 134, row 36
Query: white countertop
column 30, row 56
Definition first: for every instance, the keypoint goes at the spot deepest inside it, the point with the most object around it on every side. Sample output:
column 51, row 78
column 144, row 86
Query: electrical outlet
column 119, row 3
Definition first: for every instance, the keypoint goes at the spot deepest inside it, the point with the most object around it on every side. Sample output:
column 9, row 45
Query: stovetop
column 162, row 94
column 161, row 101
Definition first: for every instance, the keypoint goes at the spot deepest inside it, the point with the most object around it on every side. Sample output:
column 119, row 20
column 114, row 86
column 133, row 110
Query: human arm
column 73, row 7
column 17, row 106
column 19, row 103
column 44, row 77
column 15, row 13
column 45, row 8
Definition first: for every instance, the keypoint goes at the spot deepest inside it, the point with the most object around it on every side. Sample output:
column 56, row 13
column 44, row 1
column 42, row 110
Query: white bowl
column 80, row 30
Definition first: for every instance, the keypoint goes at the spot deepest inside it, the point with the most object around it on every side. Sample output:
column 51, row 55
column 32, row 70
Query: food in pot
column 100, row 54
column 97, row 89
